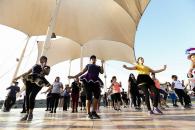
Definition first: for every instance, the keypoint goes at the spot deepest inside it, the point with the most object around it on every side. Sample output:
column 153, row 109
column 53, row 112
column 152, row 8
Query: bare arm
column 160, row 70
column 28, row 72
column 79, row 74
column 129, row 68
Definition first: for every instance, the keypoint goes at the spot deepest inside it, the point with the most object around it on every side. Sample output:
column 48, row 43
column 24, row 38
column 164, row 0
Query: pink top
column 157, row 83
column 116, row 87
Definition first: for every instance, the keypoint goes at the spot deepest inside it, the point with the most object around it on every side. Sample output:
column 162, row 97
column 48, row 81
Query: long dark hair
column 131, row 80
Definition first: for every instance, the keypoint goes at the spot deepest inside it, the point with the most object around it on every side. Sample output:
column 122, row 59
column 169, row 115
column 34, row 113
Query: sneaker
column 24, row 118
column 157, row 111
column 90, row 115
column 95, row 115
column 150, row 112
column 30, row 117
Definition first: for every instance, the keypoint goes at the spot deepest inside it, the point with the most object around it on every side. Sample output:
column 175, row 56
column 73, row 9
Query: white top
column 56, row 87
column 178, row 85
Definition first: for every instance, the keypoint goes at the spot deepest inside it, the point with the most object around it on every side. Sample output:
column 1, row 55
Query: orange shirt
column 116, row 87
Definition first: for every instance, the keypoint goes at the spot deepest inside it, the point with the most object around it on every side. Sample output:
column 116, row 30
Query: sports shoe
column 24, row 118
column 90, row 115
column 95, row 115
column 30, row 117
column 157, row 111
column 150, row 112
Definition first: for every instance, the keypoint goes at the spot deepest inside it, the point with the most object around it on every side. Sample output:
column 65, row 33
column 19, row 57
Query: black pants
column 164, row 94
column 54, row 101
column 48, row 102
column 136, row 97
column 66, row 103
column 182, row 96
column 145, row 88
column 31, row 92
column 83, row 101
column 9, row 102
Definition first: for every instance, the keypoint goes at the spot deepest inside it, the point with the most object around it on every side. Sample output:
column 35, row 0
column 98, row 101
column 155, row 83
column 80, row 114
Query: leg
column 179, row 94
column 144, row 88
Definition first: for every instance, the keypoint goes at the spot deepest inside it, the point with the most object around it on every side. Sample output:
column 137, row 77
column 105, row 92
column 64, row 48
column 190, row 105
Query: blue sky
column 165, row 31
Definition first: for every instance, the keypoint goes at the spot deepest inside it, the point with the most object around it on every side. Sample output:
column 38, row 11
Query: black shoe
column 47, row 110
column 23, row 112
column 73, row 111
column 95, row 115
column 24, row 118
column 51, row 111
column 90, row 115
column 30, row 117
column 54, row 111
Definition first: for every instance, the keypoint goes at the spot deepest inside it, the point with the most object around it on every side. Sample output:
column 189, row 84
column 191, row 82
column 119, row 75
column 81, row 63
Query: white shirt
column 56, row 87
column 178, row 85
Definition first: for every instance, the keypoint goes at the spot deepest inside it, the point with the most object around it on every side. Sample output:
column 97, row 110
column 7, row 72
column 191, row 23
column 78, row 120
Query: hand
column 71, row 77
column 165, row 66
column 124, row 66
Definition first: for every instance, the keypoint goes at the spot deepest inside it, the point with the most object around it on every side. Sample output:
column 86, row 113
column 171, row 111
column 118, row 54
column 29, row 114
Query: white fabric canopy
column 97, row 23
column 64, row 49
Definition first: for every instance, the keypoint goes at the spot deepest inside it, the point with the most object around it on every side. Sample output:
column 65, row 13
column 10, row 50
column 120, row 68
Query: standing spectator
column 66, row 98
column 24, row 102
column 179, row 90
column 83, row 98
column 11, row 97
column 76, row 85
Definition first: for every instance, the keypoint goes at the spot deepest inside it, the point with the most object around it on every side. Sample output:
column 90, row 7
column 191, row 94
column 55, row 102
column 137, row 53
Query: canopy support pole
column 69, row 70
column 105, row 76
column 50, row 29
column 81, row 59
column 21, row 59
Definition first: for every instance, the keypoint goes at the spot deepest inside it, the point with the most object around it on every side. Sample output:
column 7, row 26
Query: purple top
column 92, row 74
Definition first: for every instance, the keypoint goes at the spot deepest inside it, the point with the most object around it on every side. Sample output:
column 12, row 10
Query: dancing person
column 92, row 84
column 145, row 82
column 179, row 90
column 11, row 97
column 134, row 92
column 116, row 90
column 56, row 89
column 76, row 86
column 34, row 80
column 191, row 72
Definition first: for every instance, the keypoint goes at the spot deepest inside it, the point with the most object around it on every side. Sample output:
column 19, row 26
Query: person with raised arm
column 145, row 83
column 92, row 84
column 34, row 80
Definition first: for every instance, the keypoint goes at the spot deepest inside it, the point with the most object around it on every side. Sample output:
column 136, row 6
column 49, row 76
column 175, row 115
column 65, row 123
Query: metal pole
column 50, row 29
column 105, row 76
column 20, row 60
column 69, row 70
column 81, row 59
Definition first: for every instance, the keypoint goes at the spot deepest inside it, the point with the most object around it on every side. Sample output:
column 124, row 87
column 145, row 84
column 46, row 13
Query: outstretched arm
column 129, row 68
column 160, row 70
column 79, row 74
column 28, row 72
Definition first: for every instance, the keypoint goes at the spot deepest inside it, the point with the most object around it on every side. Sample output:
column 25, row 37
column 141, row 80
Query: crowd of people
column 85, row 91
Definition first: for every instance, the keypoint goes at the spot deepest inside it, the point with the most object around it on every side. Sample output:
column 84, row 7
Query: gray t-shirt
column 56, row 87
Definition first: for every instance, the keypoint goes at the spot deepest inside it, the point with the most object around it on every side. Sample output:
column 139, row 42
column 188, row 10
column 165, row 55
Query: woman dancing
column 145, row 82
column 34, row 80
